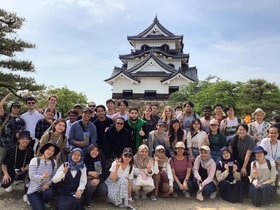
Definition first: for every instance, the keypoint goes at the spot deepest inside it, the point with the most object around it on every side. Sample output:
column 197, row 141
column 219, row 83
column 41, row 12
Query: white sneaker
column 213, row 195
column 9, row 189
column 175, row 194
column 16, row 182
column 186, row 194
column 24, row 198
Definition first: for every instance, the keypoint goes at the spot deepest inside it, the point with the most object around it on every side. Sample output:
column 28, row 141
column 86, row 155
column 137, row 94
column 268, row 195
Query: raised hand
column 45, row 174
column 118, row 163
column 156, row 158
column 141, row 132
column 149, row 166
column 166, row 138
column 66, row 167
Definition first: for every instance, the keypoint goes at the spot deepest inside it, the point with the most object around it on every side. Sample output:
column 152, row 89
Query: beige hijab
column 140, row 162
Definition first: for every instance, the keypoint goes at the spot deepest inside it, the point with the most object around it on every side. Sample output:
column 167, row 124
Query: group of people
column 97, row 152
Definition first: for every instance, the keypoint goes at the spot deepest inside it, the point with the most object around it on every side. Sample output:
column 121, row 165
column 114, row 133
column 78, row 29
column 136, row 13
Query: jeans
column 38, row 199
column 177, row 188
column 208, row 189
column 195, row 152
column 264, row 193
column 216, row 156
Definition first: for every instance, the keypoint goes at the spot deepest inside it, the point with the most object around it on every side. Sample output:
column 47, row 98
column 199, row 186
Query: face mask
column 178, row 112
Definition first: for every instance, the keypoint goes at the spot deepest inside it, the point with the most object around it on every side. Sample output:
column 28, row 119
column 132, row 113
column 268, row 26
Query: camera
column 18, row 170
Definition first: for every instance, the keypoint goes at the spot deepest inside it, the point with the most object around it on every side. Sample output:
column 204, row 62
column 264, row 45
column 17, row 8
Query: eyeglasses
column 118, row 123
column 213, row 125
column 91, row 105
column 31, row 102
column 127, row 155
column 160, row 151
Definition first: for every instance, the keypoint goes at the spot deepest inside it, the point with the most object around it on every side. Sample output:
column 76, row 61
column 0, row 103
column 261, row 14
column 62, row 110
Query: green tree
column 259, row 93
column 11, row 78
column 67, row 99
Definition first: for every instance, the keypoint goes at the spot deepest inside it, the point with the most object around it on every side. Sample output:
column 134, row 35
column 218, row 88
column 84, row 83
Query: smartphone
column 18, row 170
column 230, row 163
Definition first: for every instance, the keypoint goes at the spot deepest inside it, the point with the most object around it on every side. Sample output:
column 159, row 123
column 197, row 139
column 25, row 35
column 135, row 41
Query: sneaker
column 153, row 198
column 48, row 205
column 28, row 203
column 175, row 194
column 213, row 195
column 16, row 182
column 269, row 204
column 130, row 207
column 9, row 189
column 24, row 197
column 186, row 194
column 199, row 196
column 136, row 197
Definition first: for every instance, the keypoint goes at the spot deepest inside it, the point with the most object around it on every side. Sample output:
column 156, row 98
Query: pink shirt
column 180, row 166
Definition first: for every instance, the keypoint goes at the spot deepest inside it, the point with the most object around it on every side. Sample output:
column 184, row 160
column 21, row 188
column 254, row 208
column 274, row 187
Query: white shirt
column 122, row 173
column 31, row 121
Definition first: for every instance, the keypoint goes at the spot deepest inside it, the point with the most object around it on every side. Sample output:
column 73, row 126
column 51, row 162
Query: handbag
column 164, row 176
column 144, row 180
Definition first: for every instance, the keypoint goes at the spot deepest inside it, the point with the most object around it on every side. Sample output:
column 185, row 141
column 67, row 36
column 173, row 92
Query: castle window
column 164, row 47
column 172, row 65
column 173, row 89
column 150, row 94
column 145, row 47
column 127, row 93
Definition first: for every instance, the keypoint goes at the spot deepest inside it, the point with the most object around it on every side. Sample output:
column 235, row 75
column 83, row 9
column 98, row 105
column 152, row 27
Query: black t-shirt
column 11, row 154
column 100, row 127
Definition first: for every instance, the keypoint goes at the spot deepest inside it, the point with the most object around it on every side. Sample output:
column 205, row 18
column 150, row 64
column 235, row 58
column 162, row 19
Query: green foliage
column 67, row 99
column 245, row 97
column 10, row 44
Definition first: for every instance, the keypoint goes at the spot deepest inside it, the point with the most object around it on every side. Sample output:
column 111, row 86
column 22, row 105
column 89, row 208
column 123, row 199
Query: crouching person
column 71, row 178
column 143, row 182
column 41, row 171
column 95, row 175
column 15, row 162
column 163, row 178
column 119, row 181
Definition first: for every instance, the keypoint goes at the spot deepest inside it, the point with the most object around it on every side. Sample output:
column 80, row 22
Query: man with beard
column 10, row 126
column 187, row 116
column 137, row 129
column 83, row 132
column 205, row 120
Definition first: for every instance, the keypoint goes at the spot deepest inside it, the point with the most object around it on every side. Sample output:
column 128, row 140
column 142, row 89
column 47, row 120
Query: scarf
column 88, row 160
column 76, row 165
column 207, row 162
column 140, row 162
column 162, row 160
column 137, row 127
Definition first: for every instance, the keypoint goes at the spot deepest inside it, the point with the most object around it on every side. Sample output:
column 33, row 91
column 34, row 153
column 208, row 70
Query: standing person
column 52, row 102
column 41, row 172
column 218, row 110
column 57, row 136
column 143, row 182
column 148, row 117
column 115, row 140
column 155, row 109
column 167, row 115
column 163, row 178
column 205, row 120
column 122, row 112
column 178, row 110
column 72, row 117
column 78, row 108
column 10, row 126
column 176, row 134
column 93, row 117
column 186, row 117
column 120, row 180
column 102, row 124
column 258, row 129
column 217, row 140
column 96, row 176
column 44, row 124
column 196, row 138
column 228, row 175
column 181, row 167
column 72, row 178
column 229, row 124
column 158, row 137
column 15, row 162
column 272, row 146
column 241, row 147
column 83, row 132
column 262, row 176
column 276, row 123
column 204, row 170
column 31, row 117
column 136, row 128
column 110, row 104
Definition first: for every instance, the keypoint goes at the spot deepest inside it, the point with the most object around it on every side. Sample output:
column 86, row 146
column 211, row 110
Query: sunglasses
column 30, row 102
column 127, row 155
column 118, row 123
column 91, row 105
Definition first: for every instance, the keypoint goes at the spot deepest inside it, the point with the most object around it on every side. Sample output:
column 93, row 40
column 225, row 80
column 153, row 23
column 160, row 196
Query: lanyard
column 24, row 157
column 274, row 156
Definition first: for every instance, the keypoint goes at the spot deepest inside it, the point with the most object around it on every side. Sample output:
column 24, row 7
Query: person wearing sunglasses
column 120, row 180
column 115, row 140
column 31, row 117
column 10, row 125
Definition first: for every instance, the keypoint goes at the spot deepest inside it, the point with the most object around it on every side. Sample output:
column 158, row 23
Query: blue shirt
column 77, row 134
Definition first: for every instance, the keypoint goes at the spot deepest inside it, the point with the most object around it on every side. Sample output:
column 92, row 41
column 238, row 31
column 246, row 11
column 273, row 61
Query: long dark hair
column 171, row 132
column 194, row 121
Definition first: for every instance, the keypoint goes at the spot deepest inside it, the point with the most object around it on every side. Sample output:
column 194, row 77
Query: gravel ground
column 14, row 201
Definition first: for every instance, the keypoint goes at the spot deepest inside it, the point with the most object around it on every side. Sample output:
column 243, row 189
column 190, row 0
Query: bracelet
column 186, row 180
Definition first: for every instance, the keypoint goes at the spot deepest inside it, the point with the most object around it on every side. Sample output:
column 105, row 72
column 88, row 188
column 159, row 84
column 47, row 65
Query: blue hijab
column 76, row 165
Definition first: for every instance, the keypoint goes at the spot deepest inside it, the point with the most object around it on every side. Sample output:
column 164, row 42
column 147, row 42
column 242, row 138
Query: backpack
column 267, row 162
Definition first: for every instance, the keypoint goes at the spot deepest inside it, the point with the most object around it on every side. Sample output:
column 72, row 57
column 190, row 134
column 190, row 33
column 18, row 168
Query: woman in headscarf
column 143, row 183
column 228, row 175
column 120, row 180
column 204, row 174
column 73, row 178
column 95, row 175
column 163, row 178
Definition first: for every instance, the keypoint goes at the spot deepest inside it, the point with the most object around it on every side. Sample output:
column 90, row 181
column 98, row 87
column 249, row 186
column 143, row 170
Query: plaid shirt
column 41, row 126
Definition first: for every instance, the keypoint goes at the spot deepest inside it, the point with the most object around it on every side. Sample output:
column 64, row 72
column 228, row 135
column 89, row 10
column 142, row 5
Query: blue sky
column 78, row 41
